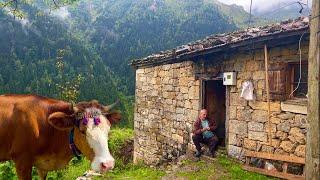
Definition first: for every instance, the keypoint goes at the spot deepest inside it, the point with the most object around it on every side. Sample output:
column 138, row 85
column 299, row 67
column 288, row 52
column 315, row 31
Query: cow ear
column 61, row 121
column 114, row 117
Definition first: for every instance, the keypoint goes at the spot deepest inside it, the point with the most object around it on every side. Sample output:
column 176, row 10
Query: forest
column 92, row 45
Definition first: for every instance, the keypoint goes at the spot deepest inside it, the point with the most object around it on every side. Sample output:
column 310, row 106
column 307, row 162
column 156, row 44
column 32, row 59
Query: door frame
column 202, row 103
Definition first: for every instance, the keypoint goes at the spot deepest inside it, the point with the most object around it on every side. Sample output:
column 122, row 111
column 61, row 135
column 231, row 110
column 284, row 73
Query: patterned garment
column 206, row 134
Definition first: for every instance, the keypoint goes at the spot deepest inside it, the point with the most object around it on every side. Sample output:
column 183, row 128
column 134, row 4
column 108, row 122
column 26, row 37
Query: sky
column 258, row 6
column 262, row 6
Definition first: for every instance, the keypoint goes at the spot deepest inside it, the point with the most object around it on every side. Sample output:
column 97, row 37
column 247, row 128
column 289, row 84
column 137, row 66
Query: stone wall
column 167, row 102
column 248, row 120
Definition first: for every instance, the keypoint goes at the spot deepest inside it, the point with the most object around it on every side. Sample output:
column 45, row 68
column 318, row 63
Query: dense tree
column 31, row 47
column 95, row 42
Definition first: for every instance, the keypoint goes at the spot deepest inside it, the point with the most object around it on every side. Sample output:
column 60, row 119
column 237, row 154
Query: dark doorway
column 214, row 100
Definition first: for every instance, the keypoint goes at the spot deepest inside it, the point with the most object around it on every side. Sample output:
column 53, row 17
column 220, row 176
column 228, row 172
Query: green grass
column 235, row 171
column 118, row 136
column 76, row 168
column 7, row 171
column 222, row 168
column 204, row 172
column 134, row 172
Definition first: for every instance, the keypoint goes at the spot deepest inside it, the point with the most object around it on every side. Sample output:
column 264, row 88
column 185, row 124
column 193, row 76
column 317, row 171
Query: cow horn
column 74, row 107
column 111, row 106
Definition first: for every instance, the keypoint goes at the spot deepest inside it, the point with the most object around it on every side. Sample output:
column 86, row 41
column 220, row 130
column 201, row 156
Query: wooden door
column 214, row 96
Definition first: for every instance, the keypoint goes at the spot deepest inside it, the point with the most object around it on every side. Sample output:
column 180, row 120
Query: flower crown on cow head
column 84, row 117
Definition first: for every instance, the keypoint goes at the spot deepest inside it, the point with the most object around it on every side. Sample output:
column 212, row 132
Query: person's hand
column 205, row 129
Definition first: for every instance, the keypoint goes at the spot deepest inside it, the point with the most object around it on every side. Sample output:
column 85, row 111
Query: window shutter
column 278, row 81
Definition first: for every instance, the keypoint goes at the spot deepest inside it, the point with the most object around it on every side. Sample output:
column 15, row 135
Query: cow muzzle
column 103, row 165
column 107, row 166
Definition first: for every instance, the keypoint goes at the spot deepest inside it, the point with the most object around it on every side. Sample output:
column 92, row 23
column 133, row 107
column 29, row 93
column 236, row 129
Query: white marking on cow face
column 97, row 137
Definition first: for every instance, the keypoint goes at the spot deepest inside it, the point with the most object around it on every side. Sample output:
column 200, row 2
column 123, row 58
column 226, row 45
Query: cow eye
column 83, row 132
column 96, row 121
column 85, row 121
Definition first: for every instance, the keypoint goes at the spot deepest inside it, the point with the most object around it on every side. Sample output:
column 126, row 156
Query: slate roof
column 219, row 41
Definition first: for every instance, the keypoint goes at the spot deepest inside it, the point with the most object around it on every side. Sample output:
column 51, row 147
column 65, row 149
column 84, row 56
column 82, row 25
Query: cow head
column 91, row 123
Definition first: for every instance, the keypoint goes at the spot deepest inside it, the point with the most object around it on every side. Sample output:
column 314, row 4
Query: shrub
column 7, row 170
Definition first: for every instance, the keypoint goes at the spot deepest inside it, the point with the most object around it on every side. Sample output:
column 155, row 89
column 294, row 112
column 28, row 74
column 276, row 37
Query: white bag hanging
column 247, row 90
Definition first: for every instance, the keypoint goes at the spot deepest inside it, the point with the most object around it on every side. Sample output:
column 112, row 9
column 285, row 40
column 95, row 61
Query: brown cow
column 35, row 131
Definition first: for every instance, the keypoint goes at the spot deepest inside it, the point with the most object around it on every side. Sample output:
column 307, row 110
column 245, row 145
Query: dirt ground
column 221, row 167
column 188, row 165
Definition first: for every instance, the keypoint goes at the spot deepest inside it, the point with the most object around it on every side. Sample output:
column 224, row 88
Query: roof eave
column 218, row 49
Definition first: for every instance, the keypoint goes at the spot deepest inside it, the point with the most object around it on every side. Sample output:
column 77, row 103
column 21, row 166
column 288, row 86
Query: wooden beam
column 247, row 161
column 273, row 173
column 277, row 157
column 268, row 93
column 285, row 167
column 313, row 131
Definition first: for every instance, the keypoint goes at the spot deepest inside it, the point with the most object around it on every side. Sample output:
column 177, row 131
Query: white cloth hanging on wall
column 247, row 90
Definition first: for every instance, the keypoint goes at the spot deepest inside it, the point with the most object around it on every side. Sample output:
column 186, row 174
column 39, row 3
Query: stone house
column 173, row 85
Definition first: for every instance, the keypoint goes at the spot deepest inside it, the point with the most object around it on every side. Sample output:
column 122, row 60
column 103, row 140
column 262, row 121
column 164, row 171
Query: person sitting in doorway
column 203, row 132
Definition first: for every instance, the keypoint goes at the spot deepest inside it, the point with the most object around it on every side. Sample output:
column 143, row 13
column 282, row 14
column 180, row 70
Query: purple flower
column 85, row 121
column 96, row 121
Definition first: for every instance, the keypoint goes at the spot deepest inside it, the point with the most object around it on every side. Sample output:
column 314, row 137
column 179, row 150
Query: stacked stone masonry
column 168, row 101
column 248, row 120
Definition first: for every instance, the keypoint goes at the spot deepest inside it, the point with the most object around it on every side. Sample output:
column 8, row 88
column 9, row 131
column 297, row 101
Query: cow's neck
column 57, row 154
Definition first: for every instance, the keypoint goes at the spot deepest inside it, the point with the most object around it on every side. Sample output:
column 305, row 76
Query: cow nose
column 107, row 166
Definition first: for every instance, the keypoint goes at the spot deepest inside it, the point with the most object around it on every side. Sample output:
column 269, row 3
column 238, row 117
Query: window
column 300, row 89
column 284, row 80
column 277, row 81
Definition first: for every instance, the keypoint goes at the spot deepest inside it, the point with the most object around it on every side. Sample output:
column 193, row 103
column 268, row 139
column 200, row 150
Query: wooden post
column 268, row 93
column 313, row 133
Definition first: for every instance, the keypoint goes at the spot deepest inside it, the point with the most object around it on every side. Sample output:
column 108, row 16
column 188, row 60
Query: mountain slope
column 121, row 30
column 30, row 50
column 97, row 39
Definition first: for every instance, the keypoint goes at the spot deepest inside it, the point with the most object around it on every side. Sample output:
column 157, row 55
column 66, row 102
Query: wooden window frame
column 278, row 81
column 290, row 79
column 281, row 80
